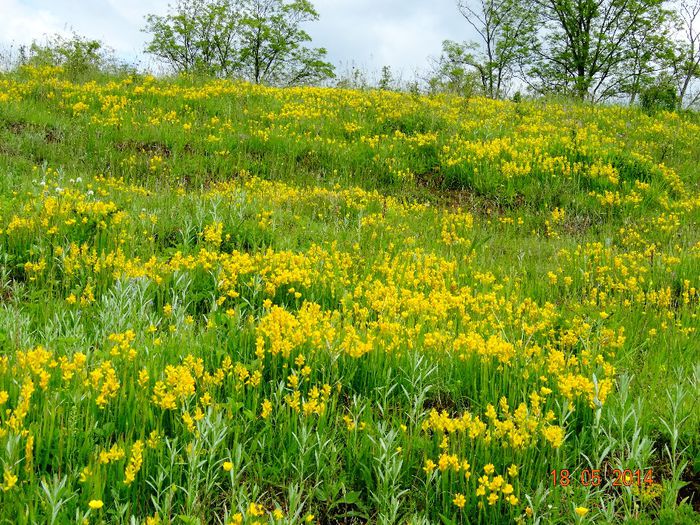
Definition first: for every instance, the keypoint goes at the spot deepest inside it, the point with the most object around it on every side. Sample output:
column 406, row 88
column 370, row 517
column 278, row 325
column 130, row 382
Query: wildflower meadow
column 234, row 304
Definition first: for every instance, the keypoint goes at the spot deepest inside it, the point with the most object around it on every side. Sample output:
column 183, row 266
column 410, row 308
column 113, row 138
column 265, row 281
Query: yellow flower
column 135, row 462
column 10, row 480
column 277, row 514
column 266, row 409
column 227, row 466
column 309, row 518
column 153, row 439
column 79, row 107
column 459, row 500
column 581, row 511
column 255, row 509
column 95, row 504
column 84, row 474
column 554, row 434
column 489, row 469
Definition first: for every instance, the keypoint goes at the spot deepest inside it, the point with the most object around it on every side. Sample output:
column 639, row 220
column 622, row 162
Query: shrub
column 661, row 96
column 77, row 55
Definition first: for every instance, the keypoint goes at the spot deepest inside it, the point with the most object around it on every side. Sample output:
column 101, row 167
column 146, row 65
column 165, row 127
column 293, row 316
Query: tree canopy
column 259, row 40
column 592, row 50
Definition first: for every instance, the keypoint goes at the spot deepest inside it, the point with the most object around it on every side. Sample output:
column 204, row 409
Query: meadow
column 228, row 303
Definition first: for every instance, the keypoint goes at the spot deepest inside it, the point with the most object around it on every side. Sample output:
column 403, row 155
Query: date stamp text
column 596, row 477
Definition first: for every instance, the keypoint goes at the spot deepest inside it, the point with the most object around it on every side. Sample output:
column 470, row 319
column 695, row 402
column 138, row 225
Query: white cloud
column 406, row 42
column 374, row 33
column 20, row 23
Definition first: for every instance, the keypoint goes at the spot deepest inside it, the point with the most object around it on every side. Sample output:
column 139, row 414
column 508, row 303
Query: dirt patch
column 151, row 148
column 442, row 401
column 431, row 180
column 53, row 135
column 691, row 491
column 16, row 127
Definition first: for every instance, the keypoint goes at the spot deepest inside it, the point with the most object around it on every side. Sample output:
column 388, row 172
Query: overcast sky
column 366, row 33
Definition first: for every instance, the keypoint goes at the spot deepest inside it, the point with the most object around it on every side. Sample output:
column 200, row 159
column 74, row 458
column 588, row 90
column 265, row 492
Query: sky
column 364, row 33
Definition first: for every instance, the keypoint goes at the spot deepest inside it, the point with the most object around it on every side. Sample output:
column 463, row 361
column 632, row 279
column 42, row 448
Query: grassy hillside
column 224, row 303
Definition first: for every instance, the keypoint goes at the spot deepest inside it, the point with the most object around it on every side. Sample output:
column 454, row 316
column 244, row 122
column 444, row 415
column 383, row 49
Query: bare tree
column 646, row 65
column 685, row 58
column 505, row 29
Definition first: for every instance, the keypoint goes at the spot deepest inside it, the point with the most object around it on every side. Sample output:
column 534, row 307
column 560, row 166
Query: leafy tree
column 591, row 48
column 197, row 36
column 505, row 29
column 274, row 48
column 260, row 40
column 454, row 72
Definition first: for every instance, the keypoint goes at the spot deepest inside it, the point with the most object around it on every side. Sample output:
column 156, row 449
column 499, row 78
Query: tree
column 197, row 36
column 684, row 59
column 273, row 49
column 454, row 71
column 650, row 47
column 588, row 47
column 505, row 29
column 260, row 40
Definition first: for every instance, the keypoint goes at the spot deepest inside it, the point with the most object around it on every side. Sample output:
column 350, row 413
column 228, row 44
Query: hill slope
column 230, row 302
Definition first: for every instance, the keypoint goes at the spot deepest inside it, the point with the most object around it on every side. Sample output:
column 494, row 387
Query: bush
column 77, row 55
column 661, row 96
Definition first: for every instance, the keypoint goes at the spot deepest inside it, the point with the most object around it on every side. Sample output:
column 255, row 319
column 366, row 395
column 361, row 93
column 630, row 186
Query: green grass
column 178, row 259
